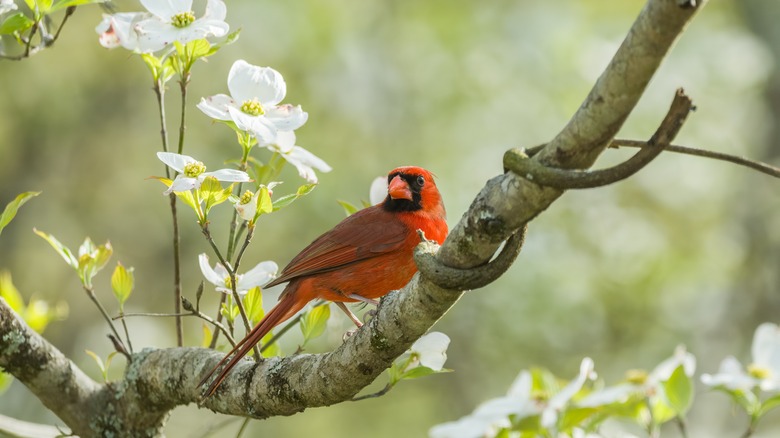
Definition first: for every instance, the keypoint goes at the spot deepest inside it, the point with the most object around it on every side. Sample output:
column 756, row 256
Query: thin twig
column 119, row 347
column 93, row 297
column 127, row 333
column 379, row 393
column 753, row 164
column 193, row 312
column 244, row 425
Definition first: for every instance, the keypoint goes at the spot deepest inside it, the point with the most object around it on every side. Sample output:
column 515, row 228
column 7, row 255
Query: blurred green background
column 688, row 251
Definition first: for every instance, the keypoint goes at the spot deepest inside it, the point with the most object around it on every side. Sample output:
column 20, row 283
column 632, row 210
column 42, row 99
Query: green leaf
column 574, row 417
column 274, row 349
column 185, row 196
column 122, row 283
column 44, row 6
column 286, row 200
column 418, row 372
column 349, row 209
column 212, row 193
column 253, row 305
column 10, row 210
column 5, row 381
column 62, row 4
column 679, row 391
column 314, row 322
column 207, row 335
column 9, row 292
column 769, row 404
column 229, row 312
column 61, row 249
column 264, row 203
column 305, row 189
column 99, row 363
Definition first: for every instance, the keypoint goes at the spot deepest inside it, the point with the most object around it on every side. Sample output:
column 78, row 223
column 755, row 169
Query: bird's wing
column 365, row 234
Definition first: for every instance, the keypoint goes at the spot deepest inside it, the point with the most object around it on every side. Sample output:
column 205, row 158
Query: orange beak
column 399, row 189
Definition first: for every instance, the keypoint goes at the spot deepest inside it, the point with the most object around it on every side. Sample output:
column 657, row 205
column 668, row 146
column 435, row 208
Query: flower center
column 252, row 107
column 636, row 377
column 246, row 197
column 193, row 170
column 228, row 283
column 759, row 372
column 540, row 395
column 183, row 19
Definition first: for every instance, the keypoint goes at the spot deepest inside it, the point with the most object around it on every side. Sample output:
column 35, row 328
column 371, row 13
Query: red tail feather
column 284, row 309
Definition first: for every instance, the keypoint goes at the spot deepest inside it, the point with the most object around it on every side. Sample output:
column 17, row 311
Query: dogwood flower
column 164, row 23
column 261, row 274
column 253, row 104
column 7, row 6
column 299, row 157
column 641, row 383
column 430, row 351
column 246, row 206
column 192, row 172
column 120, row 30
column 763, row 372
column 559, row 401
column 378, row 191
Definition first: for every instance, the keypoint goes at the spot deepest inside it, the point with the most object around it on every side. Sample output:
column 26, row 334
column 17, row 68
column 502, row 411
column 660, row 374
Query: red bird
column 362, row 258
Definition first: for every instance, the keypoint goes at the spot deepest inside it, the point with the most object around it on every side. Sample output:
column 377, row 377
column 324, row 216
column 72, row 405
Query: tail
column 289, row 305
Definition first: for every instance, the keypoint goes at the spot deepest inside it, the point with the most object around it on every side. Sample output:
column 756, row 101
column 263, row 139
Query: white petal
column 609, row 395
column 247, row 211
column 175, row 161
column 432, row 350
column 255, row 125
column 730, row 375
column 287, row 117
column 378, row 191
column 166, row 9
column 522, row 385
column 216, row 106
column 306, row 162
column 285, row 141
column 155, row 34
column 258, row 276
column 559, row 400
column 7, row 6
column 664, row 370
column 119, row 29
column 766, row 347
column 215, row 10
column 502, row 407
column 211, row 275
column 466, row 427
column 182, row 184
column 229, row 175
column 200, row 29
column 248, row 82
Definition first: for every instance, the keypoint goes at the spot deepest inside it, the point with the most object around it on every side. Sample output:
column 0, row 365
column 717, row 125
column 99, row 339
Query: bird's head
column 412, row 188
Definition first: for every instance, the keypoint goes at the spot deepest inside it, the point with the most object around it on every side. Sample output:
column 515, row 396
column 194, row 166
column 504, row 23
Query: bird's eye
column 420, row 181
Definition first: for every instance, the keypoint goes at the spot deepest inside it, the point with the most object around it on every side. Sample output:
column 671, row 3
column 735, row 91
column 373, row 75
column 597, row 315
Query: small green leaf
column 185, row 196
column 230, row 39
column 274, row 349
column 264, row 203
column 99, row 363
column 62, row 4
column 230, row 312
column 61, row 249
column 349, row 209
column 418, row 372
column 207, row 335
column 10, row 210
column 305, row 189
column 212, row 193
column 122, row 283
column 15, row 23
column 253, row 305
column 573, row 417
column 679, row 391
column 314, row 322
column 9, row 292
column 769, row 404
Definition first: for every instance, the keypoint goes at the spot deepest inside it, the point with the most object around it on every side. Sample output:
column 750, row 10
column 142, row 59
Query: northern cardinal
column 364, row 257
